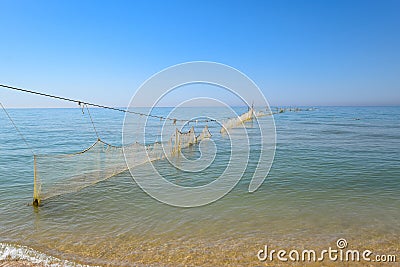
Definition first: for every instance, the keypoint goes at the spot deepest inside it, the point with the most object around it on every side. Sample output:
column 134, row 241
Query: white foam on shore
column 17, row 252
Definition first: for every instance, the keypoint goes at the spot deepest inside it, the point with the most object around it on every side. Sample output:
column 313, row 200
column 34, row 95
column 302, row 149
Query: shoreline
column 233, row 252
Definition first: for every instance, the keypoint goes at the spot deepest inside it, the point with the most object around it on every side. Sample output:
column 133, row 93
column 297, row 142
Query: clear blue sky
column 298, row 52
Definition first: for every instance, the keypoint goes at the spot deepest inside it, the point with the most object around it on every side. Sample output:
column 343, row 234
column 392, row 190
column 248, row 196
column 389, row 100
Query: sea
column 335, row 176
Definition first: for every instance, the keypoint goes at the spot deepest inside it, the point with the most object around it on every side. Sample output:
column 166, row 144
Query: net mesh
column 237, row 121
column 65, row 173
column 204, row 134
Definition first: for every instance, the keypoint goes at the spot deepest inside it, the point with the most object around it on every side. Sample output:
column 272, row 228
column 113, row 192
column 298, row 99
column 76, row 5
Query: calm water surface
column 336, row 174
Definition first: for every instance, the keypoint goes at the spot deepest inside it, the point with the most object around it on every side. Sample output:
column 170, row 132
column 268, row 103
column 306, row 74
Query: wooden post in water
column 36, row 199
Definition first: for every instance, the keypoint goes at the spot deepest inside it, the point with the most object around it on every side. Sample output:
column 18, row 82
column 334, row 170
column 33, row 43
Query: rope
column 91, row 119
column 16, row 128
column 79, row 102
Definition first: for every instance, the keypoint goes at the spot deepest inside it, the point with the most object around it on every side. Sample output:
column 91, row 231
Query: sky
column 298, row 52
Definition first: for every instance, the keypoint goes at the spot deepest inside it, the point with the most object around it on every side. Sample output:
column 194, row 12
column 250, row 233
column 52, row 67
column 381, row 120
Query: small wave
column 336, row 131
column 11, row 252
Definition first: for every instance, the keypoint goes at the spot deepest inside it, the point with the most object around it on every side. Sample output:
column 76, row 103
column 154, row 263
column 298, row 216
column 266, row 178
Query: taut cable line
column 94, row 127
column 17, row 129
column 80, row 103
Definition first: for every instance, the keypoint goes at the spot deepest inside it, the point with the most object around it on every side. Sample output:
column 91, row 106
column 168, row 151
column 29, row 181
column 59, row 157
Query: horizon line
column 236, row 106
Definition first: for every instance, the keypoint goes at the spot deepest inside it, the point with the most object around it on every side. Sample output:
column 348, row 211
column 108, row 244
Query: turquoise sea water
column 336, row 174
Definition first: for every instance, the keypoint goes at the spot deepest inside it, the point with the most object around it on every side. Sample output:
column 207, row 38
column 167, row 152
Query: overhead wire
column 80, row 103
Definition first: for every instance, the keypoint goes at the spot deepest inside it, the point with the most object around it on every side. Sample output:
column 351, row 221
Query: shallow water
column 336, row 174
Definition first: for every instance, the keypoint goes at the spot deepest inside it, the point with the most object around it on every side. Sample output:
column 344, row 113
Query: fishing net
column 237, row 121
column 180, row 140
column 65, row 173
column 204, row 134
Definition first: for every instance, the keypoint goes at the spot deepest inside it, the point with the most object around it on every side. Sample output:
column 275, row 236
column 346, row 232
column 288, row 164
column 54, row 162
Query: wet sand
column 230, row 252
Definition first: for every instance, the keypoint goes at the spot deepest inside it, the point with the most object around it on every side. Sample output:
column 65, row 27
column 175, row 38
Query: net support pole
column 36, row 199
